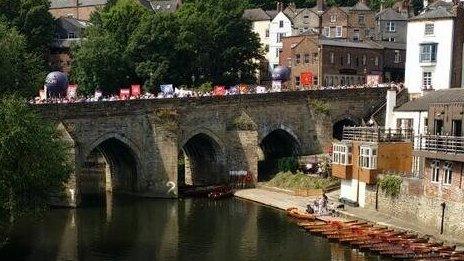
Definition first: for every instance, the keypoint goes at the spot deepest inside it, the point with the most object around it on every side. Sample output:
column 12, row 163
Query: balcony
column 377, row 134
column 439, row 147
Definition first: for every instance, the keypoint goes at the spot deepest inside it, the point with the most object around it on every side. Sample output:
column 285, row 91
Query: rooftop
column 75, row 3
column 441, row 96
column 389, row 14
column 344, row 43
column 436, row 10
column 256, row 14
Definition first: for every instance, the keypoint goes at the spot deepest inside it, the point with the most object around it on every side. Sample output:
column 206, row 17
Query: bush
column 299, row 180
column 390, row 184
column 320, row 107
column 287, row 164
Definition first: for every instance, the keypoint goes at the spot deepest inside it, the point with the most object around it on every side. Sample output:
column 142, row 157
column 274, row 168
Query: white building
column 434, row 48
column 280, row 27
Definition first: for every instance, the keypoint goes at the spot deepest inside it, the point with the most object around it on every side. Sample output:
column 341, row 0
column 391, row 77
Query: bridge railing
column 377, row 134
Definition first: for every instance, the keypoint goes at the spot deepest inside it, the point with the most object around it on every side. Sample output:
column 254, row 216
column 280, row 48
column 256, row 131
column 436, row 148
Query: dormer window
column 333, row 18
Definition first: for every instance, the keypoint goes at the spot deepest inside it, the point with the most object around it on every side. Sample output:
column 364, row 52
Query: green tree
column 32, row 19
column 33, row 160
column 21, row 71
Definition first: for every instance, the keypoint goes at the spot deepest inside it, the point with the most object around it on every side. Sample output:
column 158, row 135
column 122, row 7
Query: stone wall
column 425, row 211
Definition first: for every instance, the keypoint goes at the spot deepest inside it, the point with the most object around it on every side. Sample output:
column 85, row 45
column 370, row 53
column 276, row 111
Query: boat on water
column 298, row 214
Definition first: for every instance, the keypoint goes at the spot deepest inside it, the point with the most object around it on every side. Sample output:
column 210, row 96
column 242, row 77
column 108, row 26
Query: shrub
column 299, row 180
column 320, row 107
column 390, row 184
column 287, row 164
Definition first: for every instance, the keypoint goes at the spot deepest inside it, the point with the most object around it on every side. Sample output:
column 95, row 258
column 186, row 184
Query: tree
column 21, row 71
column 32, row 19
column 33, row 160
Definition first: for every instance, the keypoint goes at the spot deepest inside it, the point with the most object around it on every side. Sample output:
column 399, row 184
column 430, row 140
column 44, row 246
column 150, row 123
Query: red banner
column 135, row 90
column 306, row 78
column 124, row 93
column 219, row 90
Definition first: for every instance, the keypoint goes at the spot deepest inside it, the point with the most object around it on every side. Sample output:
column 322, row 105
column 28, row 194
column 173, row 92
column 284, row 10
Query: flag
column 124, row 93
column 135, row 90
column 306, row 78
column 167, row 89
column 219, row 90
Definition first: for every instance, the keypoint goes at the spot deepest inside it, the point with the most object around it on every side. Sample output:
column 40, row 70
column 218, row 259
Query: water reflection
column 200, row 229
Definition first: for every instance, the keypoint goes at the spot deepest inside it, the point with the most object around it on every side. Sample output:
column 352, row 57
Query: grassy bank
column 292, row 181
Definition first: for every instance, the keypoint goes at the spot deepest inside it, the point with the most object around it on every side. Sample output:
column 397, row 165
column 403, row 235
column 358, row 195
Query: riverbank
column 282, row 200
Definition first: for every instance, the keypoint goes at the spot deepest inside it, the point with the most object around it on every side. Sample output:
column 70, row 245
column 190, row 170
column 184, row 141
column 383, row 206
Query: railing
column 376, row 134
column 436, row 143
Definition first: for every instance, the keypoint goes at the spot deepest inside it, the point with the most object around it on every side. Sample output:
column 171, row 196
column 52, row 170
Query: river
column 184, row 229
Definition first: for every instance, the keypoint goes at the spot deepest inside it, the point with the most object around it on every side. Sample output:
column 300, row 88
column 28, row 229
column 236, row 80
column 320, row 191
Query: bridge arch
column 203, row 156
column 337, row 127
column 110, row 164
column 275, row 145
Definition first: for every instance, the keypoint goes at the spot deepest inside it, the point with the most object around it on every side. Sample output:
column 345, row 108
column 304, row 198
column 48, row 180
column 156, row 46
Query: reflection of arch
column 110, row 164
column 204, row 160
column 337, row 129
column 277, row 144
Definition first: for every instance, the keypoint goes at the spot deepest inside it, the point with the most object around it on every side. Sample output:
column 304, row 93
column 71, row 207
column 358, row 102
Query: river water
column 184, row 229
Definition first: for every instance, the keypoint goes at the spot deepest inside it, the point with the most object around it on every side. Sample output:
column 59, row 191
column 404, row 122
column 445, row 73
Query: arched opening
column 109, row 167
column 276, row 146
column 201, row 162
column 337, row 130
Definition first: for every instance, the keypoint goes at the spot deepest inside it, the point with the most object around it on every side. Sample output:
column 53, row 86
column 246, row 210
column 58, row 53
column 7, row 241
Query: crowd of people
column 185, row 93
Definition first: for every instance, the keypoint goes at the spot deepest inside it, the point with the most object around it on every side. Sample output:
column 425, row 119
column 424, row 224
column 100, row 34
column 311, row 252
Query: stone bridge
column 151, row 147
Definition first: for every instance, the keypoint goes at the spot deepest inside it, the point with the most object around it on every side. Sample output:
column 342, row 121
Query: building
column 434, row 48
column 168, row 6
column 79, row 9
column 280, row 27
column 356, row 23
column 68, row 30
column 392, row 23
column 394, row 61
column 366, row 152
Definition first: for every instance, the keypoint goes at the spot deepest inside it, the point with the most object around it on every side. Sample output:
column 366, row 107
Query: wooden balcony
column 342, row 171
column 377, row 134
column 439, row 147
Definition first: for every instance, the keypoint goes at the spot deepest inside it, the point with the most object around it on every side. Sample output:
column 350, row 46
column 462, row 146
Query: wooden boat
column 295, row 213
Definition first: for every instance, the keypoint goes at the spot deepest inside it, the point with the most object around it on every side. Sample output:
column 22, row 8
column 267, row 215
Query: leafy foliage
column 390, row 184
column 21, row 71
column 33, row 160
column 243, row 122
column 299, row 180
column 205, row 40
column 320, row 107
column 289, row 164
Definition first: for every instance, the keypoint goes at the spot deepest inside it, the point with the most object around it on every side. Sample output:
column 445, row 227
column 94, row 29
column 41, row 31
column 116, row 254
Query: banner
column 260, row 89
column 276, row 86
column 72, row 91
column 373, row 80
column 167, row 89
column 219, row 90
column 306, row 78
column 135, row 90
column 124, row 94
column 243, row 88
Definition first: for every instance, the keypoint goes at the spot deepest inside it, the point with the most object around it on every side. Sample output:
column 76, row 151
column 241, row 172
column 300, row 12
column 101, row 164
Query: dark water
column 189, row 229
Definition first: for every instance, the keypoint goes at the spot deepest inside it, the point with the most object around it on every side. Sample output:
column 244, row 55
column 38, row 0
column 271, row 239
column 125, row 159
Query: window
column 391, row 26
column 416, row 169
column 428, row 53
column 368, row 157
column 332, row 58
column 306, row 16
column 326, row 31
column 391, row 39
column 266, row 48
column 315, row 80
column 267, row 32
column 280, row 36
column 333, row 18
column 435, row 171
column 281, row 24
column 364, row 59
column 277, row 52
column 338, row 31
column 356, row 35
column 447, row 173
column 298, row 58
column 397, row 56
column 426, row 80
column 306, row 58
column 315, row 55
column 71, row 35
column 348, row 58
column 361, row 19
column 429, row 28
column 341, row 154
column 297, row 80
column 456, row 127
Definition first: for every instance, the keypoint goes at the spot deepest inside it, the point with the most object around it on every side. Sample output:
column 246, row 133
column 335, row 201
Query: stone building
column 355, row 23
column 394, row 61
column 68, row 30
column 79, row 9
column 392, row 23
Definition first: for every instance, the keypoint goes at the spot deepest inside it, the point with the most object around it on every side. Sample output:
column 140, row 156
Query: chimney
column 391, row 104
column 366, row 2
column 321, row 6
column 292, row 5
